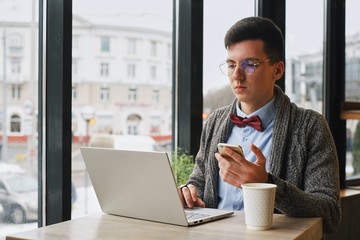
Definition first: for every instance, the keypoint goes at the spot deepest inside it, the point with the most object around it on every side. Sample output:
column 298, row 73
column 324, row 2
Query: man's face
column 256, row 89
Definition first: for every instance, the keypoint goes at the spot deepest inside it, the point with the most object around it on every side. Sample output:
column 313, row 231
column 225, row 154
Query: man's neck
column 250, row 108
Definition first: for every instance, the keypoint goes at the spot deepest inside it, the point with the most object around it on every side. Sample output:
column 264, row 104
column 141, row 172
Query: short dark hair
column 258, row 28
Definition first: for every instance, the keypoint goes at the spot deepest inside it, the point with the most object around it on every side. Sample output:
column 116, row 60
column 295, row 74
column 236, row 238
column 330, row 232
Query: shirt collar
column 266, row 112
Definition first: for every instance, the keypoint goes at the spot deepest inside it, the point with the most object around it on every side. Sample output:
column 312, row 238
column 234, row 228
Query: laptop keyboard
column 191, row 216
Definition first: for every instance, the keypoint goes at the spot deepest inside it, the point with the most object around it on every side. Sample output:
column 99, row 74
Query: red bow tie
column 253, row 121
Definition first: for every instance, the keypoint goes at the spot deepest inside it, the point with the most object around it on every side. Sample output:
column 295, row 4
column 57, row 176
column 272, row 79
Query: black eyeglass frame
column 247, row 66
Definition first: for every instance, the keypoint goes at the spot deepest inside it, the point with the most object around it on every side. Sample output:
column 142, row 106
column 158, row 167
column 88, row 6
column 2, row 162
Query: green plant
column 356, row 150
column 182, row 164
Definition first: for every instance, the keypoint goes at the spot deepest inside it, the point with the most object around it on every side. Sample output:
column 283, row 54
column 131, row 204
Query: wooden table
column 103, row 226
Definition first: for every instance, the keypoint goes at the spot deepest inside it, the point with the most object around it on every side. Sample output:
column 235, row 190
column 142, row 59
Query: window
column 153, row 72
column 304, row 74
column 16, row 92
column 153, row 49
column 15, row 66
column 16, row 44
column 105, row 44
column 15, row 124
column 131, row 70
column 133, row 124
column 156, row 95
column 104, row 69
column 18, row 132
column 104, row 94
column 132, row 95
column 351, row 110
column 131, row 50
column 214, row 83
column 213, row 46
column 124, row 29
column 15, row 40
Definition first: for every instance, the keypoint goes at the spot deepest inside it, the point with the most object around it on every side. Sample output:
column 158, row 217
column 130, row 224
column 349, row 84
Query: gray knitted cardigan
column 303, row 162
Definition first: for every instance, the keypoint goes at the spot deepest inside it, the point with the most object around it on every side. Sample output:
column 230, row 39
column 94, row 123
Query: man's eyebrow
column 249, row 58
column 229, row 61
column 253, row 59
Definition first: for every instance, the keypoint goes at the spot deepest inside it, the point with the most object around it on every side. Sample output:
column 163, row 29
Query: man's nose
column 238, row 74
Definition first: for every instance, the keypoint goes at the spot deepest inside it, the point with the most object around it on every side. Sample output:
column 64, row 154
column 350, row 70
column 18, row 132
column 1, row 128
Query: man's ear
column 279, row 70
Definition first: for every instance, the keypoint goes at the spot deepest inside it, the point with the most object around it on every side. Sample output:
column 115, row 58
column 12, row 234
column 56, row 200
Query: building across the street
column 121, row 70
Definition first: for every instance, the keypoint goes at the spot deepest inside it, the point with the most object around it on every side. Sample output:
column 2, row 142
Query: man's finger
column 260, row 158
column 196, row 200
column 231, row 154
column 193, row 191
column 187, row 197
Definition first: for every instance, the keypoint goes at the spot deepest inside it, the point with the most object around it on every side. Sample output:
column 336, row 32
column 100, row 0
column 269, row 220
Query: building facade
column 121, row 69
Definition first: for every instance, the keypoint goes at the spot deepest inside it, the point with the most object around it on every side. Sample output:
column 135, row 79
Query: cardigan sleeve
column 205, row 173
column 309, row 182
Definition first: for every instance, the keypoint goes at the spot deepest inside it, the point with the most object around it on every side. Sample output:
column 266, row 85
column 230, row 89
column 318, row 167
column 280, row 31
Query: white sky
column 159, row 7
column 304, row 30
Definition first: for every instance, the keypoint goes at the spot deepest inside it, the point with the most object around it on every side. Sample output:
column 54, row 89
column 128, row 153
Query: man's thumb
column 260, row 158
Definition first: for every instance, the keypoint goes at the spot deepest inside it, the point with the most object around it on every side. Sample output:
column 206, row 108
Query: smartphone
column 236, row 148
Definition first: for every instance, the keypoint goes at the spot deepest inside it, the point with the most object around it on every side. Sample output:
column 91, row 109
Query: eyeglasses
column 247, row 66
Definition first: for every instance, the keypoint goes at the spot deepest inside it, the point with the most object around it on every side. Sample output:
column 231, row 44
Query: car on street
column 19, row 195
column 18, row 198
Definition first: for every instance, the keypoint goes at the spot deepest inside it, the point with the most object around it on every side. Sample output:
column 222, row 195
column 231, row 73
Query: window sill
column 350, row 191
column 350, row 114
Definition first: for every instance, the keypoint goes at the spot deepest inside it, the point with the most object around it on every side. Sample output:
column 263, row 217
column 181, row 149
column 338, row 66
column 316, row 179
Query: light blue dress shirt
column 231, row 197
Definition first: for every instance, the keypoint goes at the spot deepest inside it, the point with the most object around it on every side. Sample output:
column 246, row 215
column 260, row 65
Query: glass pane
column 122, row 86
column 215, row 84
column 352, row 67
column 18, row 116
column 352, row 149
column 304, row 54
column 352, row 86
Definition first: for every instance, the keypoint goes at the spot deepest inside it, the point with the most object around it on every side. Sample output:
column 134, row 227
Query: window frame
column 55, row 33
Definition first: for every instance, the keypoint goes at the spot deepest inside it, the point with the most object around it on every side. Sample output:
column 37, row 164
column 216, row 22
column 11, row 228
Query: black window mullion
column 190, row 75
column 334, row 77
column 58, row 111
column 274, row 10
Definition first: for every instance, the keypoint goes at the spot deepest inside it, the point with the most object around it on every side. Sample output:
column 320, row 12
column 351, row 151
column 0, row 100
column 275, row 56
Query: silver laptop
column 140, row 185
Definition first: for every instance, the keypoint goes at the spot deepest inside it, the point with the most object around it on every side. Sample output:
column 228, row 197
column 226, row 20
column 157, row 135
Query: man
column 292, row 147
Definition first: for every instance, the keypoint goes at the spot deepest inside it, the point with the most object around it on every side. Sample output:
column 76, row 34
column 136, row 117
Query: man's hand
column 236, row 170
column 189, row 198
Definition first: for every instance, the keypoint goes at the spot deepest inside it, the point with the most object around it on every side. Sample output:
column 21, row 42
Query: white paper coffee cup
column 259, row 200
